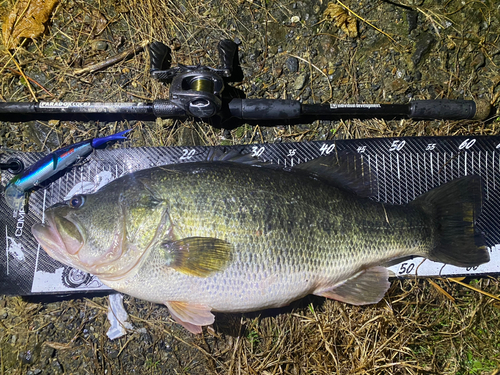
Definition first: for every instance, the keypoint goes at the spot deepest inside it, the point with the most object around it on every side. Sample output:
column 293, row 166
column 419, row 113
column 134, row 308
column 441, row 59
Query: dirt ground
column 314, row 51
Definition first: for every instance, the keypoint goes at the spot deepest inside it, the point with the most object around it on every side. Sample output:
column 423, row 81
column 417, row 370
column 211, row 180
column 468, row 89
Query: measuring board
column 402, row 168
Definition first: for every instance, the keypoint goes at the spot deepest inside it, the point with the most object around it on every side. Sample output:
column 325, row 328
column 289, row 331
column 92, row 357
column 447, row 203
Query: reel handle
column 227, row 51
column 160, row 56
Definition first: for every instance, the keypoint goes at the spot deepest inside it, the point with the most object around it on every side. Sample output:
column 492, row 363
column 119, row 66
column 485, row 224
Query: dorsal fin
column 344, row 169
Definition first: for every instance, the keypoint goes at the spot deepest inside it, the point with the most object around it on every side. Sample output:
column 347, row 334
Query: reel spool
column 198, row 92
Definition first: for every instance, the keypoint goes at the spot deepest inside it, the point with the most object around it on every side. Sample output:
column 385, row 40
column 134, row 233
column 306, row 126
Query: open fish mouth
column 59, row 237
column 63, row 239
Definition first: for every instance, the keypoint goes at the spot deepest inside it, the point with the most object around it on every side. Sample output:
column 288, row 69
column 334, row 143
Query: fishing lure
column 38, row 174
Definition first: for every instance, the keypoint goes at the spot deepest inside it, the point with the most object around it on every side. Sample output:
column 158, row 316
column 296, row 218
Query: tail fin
column 454, row 208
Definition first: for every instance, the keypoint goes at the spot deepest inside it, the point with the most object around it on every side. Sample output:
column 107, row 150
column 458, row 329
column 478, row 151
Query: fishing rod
column 199, row 92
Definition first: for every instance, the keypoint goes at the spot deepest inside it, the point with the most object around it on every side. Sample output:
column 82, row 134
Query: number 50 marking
column 397, row 145
column 406, row 268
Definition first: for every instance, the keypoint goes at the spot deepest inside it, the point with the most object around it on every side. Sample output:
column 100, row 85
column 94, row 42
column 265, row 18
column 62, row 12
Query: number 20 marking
column 187, row 154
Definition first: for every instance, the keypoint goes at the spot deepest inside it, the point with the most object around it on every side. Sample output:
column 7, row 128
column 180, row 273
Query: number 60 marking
column 468, row 143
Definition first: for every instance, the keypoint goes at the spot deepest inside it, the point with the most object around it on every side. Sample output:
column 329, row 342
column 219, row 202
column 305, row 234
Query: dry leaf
column 26, row 20
column 341, row 18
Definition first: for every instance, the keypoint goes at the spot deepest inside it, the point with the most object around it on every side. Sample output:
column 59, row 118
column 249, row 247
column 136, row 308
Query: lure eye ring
column 76, row 201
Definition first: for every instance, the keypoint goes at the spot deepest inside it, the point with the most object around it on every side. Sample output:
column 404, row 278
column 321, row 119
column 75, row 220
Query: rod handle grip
column 449, row 109
column 166, row 109
column 265, row 109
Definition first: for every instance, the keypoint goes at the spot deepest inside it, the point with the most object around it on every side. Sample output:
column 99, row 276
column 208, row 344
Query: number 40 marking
column 327, row 149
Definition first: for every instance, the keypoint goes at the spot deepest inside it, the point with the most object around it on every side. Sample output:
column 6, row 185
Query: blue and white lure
column 20, row 186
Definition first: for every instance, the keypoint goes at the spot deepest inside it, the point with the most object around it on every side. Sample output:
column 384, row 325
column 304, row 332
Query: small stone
column 56, row 367
column 306, row 94
column 478, row 61
column 412, row 18
column 300, row 81
column 399, row 86
column 292, row 64
column 422, row 46
column 99, row 45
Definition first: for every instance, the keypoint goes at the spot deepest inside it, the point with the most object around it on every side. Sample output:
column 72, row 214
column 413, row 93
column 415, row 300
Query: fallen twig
column 112, row 60
column 32, row 80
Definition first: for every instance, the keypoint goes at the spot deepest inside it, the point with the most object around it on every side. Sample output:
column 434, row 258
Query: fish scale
column 237, row 237
column 304, row 238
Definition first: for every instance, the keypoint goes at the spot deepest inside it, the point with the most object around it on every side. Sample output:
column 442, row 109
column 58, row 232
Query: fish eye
column 77, row 201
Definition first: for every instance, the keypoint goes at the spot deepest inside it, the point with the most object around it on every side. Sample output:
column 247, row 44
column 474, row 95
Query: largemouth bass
column 237, row 236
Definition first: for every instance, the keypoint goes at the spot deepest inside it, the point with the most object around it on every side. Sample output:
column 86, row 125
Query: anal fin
column 191, row 316
column 366, row 287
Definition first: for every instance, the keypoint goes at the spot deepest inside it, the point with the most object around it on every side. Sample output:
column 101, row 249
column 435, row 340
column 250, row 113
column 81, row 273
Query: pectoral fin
column 197, row 256
column 191, row 316
column 366, row 287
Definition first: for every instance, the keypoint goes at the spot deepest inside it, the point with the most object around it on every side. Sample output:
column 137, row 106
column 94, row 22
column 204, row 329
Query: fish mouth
column 59, row 237
column 63, row 239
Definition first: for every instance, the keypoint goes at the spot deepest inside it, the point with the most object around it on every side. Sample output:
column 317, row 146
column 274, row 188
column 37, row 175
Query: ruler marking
column 418, row 176
column 451, row 166
column 438, row 167
column 385, row 177
column 399, row 178
column 393, row 195
column 485, row 173
column 432, row 166
column 378, row 175
column 465, row 163
column 428, row 176
column 406, row 182
column 487, row 177
column 493, row 170
column 412, row 176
